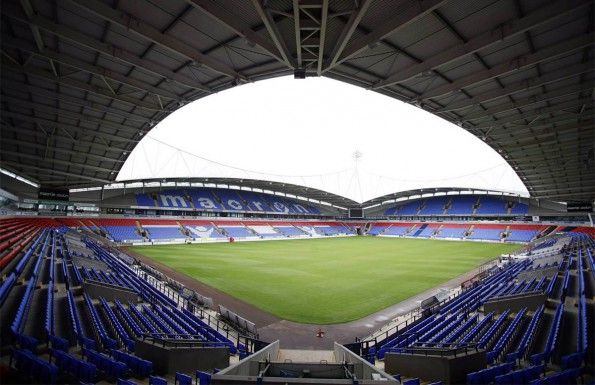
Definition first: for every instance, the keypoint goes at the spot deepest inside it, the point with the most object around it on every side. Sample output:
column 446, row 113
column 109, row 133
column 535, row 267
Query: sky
column 307, row 132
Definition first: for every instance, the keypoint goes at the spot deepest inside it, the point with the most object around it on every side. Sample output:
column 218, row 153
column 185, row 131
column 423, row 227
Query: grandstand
column 82, row 83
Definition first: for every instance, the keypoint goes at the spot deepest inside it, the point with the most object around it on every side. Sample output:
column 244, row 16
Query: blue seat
column 59, row 343
column 125, row 382
column 111, row 368
column 203, row 378
column 573, row 360
column 183, row 379
column 83, row 371
column 140, row 367
column 154, row 380
column 504, row 379
column 35, row 367
column 413, row 381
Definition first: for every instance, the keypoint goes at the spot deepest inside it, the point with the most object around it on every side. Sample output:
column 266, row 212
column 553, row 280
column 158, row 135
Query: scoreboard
column 356, row 213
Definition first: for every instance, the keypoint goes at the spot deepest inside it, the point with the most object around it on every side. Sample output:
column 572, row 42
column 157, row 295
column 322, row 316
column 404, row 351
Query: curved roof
column 423, row 192
column 84, row 80
column 277, row 187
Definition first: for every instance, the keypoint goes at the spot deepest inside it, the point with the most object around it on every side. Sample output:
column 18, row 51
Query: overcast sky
column 307, row 131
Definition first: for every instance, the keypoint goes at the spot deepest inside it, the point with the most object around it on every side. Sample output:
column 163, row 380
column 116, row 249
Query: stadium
column 249, row 277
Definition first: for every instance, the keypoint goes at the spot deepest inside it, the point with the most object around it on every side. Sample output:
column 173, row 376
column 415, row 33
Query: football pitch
column 325, row 281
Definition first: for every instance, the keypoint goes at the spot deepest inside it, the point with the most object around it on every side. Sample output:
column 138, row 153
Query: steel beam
column 45, row 170
column 61, row 150
column 15, row 87
column 520, row 86
column 79, row 129
column 533, row 99
column 271, row 26
column 548, row 53
column 404, row 18
column 154, row 35
column 38, row 158
column 321, row 46
column 235, row 24
column 90, row 68
column 112, row 51
column 536, row 113
column 297, row 31
column 348, row 30
column 76, row 141
column 64, row 81
column 530, row 138
column 487, row 39
column 79, row 117
column 563, row 183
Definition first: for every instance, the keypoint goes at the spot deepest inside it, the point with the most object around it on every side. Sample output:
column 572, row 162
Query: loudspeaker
column 299, row 73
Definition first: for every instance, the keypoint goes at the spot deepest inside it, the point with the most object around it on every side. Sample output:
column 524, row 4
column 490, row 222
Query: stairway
column 142, row 232
column 505, row 233
column 421, row 207
column 421, row 228
column 251, row 230
column 447, row 206
column 475, row 206
column 547, row 231
column 183, row 229
column 437, row 231
column 219, row 230
column 411, row 229
column 188, row 199
column 300, row 229
column 153, row 195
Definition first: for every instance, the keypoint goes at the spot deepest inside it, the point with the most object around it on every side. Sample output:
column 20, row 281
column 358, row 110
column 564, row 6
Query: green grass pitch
column 325, row 281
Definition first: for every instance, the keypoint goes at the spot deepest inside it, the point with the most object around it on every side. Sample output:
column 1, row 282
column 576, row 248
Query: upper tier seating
column 203, row 199
column 255, row 201
column 519, row 208
column 434, row 206
column 216, row 199
column 462, row 205
column 145, row 200
column 231, row 200
column 410, row 208
column 489, row 205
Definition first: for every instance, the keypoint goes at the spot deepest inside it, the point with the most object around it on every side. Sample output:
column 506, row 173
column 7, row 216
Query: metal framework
column 84, row 80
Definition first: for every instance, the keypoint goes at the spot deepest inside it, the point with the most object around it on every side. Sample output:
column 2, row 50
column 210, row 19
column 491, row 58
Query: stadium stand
column 217, row 199
column 522, row 345
column 462, row 205
column 105, row 329
column 453, row 230
column 434, row 206
column 459, row 205
column 489, row 205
